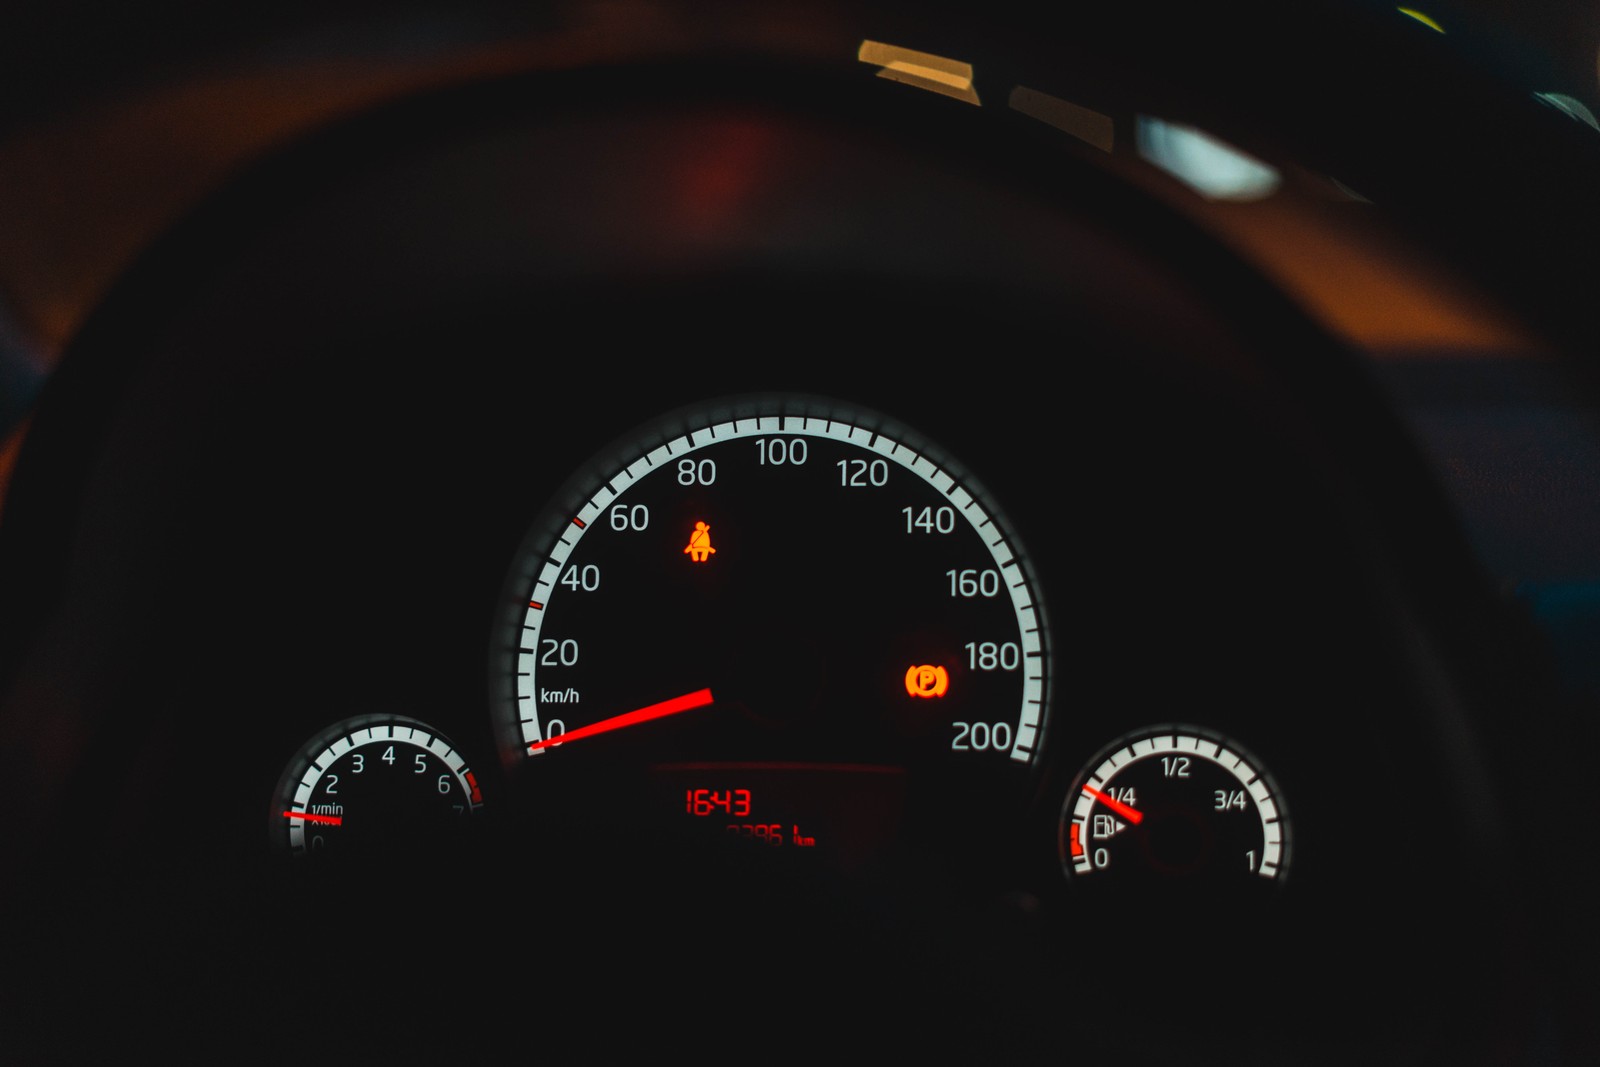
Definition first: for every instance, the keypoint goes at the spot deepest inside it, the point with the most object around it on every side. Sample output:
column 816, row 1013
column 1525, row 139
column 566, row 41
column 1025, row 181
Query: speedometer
column 787, row 621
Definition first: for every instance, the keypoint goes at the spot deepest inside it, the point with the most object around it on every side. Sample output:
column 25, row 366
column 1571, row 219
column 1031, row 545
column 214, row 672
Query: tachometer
column 788, row 621
column 372, row 784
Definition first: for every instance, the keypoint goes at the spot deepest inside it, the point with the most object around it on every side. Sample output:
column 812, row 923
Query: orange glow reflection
column 947, row 77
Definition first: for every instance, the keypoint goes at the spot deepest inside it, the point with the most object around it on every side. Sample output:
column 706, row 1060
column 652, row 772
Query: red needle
column 1133, row 815
column 688, row 702
column 331, row 820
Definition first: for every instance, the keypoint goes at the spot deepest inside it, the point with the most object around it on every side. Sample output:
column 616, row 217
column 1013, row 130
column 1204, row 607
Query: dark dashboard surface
column 1301, row 464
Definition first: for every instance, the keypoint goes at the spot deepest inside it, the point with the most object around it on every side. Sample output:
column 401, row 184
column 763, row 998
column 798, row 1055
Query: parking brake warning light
column 927, row 680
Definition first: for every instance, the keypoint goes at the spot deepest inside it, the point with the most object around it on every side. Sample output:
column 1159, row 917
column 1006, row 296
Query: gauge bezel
column 292, row 783
column 532, row 559
column 1227, row 753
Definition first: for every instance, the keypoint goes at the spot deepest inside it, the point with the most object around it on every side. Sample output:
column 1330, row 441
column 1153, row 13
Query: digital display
column 736, row 804
column 704, row 802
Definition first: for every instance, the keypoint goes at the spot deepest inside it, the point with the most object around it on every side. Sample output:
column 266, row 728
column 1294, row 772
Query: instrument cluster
column 609, row 547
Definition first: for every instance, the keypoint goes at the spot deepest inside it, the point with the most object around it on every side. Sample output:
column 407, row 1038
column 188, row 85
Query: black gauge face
column 373, row 786
column 1175, row 805
column 785, row 622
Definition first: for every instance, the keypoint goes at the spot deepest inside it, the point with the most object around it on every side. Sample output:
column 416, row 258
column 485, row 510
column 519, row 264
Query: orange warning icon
column 700, row 549
column 927, row 680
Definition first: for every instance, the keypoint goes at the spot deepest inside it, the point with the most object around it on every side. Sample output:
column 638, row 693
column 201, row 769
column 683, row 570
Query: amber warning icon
column 699, row 549
column 927, row 680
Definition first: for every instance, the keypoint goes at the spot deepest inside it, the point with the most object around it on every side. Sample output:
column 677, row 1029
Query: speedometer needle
column 1133, row 815
column 688, row 702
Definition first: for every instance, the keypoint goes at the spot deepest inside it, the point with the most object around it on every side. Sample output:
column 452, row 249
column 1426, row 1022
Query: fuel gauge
column 372, row 784
column 1175, row 804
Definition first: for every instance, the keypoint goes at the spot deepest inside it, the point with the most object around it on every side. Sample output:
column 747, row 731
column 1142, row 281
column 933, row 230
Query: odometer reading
column 704, row 802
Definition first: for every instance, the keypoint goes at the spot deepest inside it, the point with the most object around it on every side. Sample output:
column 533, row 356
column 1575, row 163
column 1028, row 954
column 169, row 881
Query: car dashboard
column 907, row 530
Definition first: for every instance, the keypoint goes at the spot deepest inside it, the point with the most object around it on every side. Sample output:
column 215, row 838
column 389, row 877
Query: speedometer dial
column 770, row 618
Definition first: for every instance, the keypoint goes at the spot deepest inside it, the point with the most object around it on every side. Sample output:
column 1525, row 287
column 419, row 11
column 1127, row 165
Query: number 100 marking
column 778, row 451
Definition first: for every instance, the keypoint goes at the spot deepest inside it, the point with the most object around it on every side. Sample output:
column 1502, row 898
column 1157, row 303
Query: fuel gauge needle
column 688, row 702
column 1133, row 815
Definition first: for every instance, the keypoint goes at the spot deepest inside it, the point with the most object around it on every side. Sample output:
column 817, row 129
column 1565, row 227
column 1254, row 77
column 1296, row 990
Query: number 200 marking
column 981, row 737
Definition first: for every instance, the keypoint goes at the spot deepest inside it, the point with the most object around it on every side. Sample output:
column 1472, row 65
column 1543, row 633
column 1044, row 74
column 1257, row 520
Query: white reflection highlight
column 1569, row 106
column 1213, row 168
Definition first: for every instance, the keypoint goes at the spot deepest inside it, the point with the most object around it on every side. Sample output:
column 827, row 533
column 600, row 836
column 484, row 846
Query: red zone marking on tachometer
column 688, row 702
column 330, row 820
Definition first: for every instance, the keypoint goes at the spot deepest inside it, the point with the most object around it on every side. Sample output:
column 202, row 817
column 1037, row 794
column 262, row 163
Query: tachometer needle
column 688, row 702
column 1133, row 815
column 331, row 820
